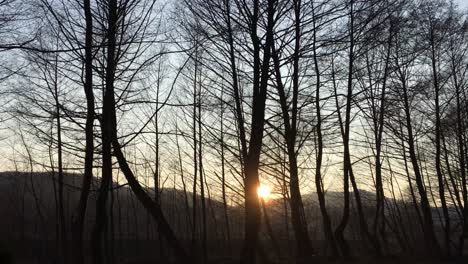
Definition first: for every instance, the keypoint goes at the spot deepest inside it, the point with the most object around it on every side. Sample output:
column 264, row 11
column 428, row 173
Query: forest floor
column 236, row 260
column 319, row 261
column 389, row 260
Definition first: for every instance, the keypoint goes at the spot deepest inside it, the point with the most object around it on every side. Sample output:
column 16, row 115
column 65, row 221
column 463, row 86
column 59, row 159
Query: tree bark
column 79, row 220
column 428, row 224
column 252, row 160
column 327, row 226
column 438, row 162
column 108, row 124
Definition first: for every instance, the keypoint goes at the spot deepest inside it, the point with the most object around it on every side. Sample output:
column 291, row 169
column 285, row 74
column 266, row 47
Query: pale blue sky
column 462, row 3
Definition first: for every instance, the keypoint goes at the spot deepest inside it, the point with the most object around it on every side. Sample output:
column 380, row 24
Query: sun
column 263, row 192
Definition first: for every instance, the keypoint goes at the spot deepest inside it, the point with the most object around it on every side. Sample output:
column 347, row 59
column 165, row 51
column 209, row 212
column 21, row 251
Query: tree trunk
column 108, row 124
column 428, row 225
column 89, row 147
column 251, row 163
column 327, row 226
column 438, row 162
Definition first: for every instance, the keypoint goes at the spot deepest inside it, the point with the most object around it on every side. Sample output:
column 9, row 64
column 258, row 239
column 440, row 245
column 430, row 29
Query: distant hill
column 31, row 203
column 28, row 210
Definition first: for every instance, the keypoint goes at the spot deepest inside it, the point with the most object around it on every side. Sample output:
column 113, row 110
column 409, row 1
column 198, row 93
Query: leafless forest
column 233, row 131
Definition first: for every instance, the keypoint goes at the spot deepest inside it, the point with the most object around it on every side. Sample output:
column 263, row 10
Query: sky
column 9, row 144
column 462, row 3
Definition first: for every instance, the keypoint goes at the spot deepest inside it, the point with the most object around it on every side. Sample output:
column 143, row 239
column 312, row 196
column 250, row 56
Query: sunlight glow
column 263, row 192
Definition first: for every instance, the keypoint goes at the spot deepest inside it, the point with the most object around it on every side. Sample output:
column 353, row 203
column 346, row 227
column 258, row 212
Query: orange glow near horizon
column 264, row 192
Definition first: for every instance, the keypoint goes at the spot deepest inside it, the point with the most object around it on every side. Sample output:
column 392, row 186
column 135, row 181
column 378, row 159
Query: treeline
column 215, row 97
